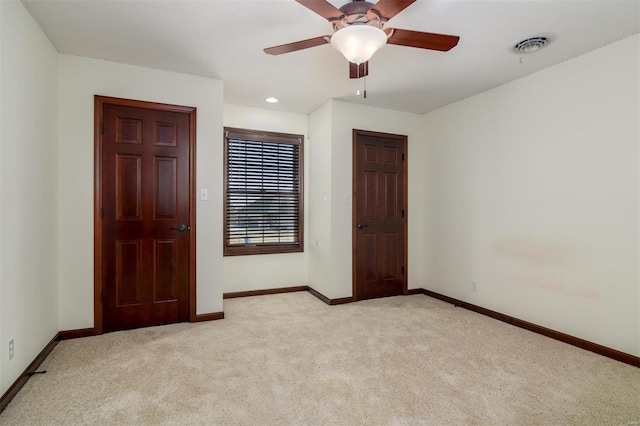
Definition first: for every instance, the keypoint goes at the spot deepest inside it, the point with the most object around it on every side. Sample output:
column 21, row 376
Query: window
column 262, row 192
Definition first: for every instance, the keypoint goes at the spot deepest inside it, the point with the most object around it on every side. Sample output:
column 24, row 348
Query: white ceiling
column 224, row 39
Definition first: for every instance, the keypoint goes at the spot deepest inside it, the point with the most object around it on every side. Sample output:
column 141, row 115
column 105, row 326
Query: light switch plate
column 204, row 195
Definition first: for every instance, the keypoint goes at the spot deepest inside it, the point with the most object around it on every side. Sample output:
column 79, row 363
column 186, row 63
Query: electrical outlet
column 474, row 286
column 11, row 349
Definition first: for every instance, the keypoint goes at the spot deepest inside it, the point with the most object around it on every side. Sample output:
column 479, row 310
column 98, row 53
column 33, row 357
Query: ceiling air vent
column 531, row 44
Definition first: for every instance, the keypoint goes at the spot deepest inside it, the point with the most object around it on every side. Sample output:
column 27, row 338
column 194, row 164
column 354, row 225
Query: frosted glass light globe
column 358, row 43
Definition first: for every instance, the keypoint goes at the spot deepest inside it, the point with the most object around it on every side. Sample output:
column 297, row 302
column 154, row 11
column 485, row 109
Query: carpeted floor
column 290, row 359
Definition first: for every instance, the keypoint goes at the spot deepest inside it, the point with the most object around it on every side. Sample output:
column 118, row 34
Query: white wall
column 532, row 190
column 319, row 199
column 265, row 271
column 80, row 80
column 29, row 190
column 344, row 117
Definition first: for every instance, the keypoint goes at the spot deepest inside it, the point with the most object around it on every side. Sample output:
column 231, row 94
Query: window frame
column 271, row 137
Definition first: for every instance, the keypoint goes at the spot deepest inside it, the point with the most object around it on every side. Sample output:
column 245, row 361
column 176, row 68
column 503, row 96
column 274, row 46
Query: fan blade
column 387, row 9
column 431, row 41
column 322, row 8
column 358, row 71
column 297, row 45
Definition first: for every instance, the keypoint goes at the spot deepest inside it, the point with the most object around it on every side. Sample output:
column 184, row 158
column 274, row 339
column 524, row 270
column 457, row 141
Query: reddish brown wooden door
column 379, row 215
column 146, row 229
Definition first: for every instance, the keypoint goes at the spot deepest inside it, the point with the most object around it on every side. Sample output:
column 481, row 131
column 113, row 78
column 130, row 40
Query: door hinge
column 403, row 270
column 101, row 127
column 102, row 297
column 402, row 213
column 403, row 156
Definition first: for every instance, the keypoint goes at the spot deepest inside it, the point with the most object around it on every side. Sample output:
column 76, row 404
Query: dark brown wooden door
column 146, row 226
column 379, row 215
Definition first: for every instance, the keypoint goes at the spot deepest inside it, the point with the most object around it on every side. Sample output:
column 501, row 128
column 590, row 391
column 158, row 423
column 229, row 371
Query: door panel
column 128, row 130
column 165, row 196
column 128, row 260
column 145, row 187
column 166, row 134
column 371, row 252
column 379, row 215
column 390, row 195
column 129, row 187
column 370, row 195
column 389, row 256
column 164, row 281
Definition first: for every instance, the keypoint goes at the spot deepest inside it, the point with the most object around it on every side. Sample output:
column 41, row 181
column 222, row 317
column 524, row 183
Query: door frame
column 99, row 102
column 405, row 203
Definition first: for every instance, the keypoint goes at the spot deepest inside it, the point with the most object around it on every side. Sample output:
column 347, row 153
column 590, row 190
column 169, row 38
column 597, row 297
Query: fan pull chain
column 357, row 77
column 365, row 87
column 364, row 82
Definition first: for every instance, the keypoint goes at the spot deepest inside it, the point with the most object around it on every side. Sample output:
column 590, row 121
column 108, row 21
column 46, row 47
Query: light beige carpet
column 292, row 360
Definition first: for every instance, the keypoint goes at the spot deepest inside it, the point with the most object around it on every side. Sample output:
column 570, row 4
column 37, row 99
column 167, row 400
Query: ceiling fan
column 359, row 32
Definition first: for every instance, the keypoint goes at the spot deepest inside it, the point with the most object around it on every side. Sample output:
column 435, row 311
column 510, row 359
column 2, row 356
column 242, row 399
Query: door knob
column 181, row 228
column 361, row 225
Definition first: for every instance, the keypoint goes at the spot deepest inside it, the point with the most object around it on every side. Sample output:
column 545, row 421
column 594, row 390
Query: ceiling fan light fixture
column 358, row 43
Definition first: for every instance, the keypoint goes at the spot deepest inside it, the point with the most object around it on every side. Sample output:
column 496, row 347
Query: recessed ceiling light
column 272, row 100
